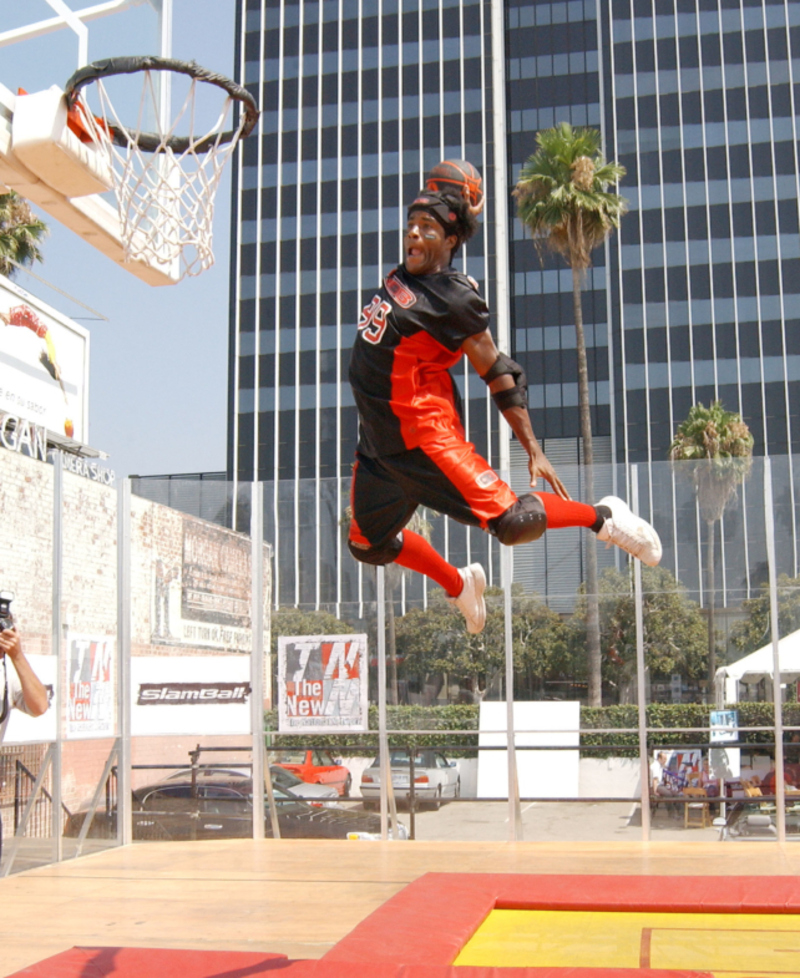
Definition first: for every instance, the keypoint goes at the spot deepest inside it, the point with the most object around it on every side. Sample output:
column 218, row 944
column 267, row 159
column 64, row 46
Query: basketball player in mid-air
column 412, row 448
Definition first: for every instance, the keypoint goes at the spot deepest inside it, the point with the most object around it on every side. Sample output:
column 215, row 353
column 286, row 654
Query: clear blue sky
column 159, row 366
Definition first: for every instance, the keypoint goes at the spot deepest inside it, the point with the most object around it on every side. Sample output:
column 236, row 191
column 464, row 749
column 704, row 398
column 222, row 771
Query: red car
column 315, row 767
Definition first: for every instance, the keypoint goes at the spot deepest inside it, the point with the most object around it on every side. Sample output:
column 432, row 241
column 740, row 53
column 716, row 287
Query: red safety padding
column 361, row 969
column 429, row 921
column 145, row 962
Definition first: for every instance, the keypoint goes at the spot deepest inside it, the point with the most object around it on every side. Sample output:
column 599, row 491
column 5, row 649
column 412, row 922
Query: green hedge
column 663, row 716
column 438, row 718
column 465, row 717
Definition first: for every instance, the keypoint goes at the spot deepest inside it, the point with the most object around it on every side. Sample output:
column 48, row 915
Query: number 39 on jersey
column 372, row 324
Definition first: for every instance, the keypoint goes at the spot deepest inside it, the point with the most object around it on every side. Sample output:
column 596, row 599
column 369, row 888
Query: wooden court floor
column 296, row 897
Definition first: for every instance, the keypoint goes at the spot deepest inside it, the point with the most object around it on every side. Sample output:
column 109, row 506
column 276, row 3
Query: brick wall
column 26, row 544
column 89, row 597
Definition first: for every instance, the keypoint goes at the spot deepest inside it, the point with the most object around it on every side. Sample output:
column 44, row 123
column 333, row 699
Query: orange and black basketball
column 456, row 177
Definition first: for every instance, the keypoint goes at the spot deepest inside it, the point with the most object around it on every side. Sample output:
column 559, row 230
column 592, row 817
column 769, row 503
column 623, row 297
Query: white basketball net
column 165, row 199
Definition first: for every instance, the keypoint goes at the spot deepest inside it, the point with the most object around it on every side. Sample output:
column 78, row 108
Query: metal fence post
column 514, row 807
column 383, row 744
column 641, row 693
column 58, row 643
column 257, row 667
column 124, row 800
column 388, row 804
column 769, row 526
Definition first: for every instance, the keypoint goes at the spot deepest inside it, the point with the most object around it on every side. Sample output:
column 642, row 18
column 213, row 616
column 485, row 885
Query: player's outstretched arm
column 483, row 355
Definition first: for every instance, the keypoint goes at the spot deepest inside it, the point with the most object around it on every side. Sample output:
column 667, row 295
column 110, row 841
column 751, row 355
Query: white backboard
column 43, row 42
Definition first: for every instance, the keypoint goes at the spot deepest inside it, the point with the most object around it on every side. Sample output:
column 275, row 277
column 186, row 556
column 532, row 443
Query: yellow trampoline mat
column 726, row 944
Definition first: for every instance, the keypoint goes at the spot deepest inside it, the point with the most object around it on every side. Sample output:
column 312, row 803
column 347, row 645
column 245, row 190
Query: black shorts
column 451, row 479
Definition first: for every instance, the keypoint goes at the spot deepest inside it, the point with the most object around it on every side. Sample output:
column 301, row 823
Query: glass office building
column 694, row 299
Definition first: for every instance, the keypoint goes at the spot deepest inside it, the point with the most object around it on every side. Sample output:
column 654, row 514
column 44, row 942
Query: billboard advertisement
column 90, row 686
column 45, row 367
column 202, row 594
column 323, row 683
column 205, row 695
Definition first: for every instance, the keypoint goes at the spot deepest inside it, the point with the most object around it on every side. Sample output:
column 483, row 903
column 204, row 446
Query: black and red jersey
column 408, row 338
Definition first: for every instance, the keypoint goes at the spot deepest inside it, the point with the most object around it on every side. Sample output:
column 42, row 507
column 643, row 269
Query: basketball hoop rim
column 151, row 142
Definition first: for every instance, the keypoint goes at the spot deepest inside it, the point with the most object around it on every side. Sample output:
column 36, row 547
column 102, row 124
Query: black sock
column 603, row 513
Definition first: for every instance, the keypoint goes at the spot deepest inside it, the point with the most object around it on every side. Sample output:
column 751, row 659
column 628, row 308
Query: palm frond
column 562, row 197
column 716, row 447
column 20, row 234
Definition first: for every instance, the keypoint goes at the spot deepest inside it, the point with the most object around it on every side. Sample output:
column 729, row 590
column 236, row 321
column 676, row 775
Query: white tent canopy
column 758, row 665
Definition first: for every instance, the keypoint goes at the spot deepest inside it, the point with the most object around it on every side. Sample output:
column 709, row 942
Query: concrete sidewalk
column 544, row 821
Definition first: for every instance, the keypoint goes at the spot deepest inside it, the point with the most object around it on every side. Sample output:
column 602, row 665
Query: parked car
column 315, row 767
column 221, row 807
column 435, row 778
column 314, row 794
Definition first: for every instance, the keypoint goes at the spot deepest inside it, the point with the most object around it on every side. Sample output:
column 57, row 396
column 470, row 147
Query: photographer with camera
column 20, row 687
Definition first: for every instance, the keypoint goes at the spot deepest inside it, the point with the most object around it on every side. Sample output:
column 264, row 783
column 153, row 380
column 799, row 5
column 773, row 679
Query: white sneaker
column 470, row 602
column 629, row 532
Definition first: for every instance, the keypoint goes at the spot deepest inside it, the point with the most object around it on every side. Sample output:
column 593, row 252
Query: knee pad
column 523, row 522
column 385, row 553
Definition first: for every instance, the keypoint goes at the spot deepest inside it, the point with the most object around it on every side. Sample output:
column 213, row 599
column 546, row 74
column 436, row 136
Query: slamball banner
column 194, row 695
column 323, row 683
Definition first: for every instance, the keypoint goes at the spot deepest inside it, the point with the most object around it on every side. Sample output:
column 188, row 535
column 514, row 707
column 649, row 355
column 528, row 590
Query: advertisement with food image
column 45, row 364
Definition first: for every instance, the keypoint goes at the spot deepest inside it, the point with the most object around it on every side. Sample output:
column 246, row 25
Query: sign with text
column 90, row 686
column 724, row 725
column 202, row 599
column 207, row 695
column 323, row 683
column 45, row 365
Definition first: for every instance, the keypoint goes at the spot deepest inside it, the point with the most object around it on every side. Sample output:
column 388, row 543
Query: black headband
column 437, row 206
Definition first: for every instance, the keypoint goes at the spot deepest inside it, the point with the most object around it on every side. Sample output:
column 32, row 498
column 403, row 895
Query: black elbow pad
column 511, row 397
column 505, row 365
column 516, row 396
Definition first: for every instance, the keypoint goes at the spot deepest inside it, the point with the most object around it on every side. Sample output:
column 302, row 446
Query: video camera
column 6, row 618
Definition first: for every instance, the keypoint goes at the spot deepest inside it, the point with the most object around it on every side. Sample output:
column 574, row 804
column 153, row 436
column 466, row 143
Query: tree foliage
column 434, row 643
column 562, row 194
column 674, row 629
column 754, row 632
column 717, row 447
column 20, row 234
column 302, row 621
column 563, row 198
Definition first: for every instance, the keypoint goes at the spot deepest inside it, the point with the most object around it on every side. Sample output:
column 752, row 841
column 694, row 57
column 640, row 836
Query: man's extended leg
column 379, row 508
column 611, row 519
column 418, row 555
column 563, row 513
column 464, row 586
column 386, row 491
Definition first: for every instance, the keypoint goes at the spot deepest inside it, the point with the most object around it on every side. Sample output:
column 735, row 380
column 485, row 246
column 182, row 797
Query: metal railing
column 40, row 820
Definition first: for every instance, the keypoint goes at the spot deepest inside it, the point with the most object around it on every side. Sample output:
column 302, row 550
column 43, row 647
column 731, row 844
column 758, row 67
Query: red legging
column 418, row 555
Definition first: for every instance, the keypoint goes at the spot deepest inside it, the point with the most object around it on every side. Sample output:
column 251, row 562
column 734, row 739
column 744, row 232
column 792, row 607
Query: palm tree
column 719, row 446
column 20, row 234
column 562, row 197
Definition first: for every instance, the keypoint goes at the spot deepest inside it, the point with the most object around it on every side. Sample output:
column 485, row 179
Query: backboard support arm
column 77, row 25
column 77, row 20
